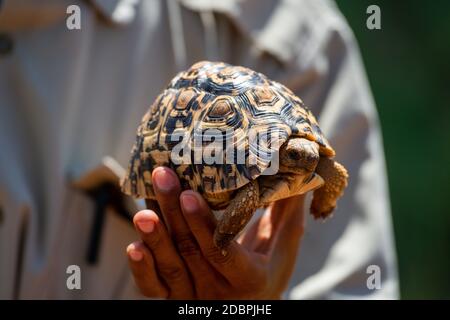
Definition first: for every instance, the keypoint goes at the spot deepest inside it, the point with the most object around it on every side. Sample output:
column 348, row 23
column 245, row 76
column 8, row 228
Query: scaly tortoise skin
column 236, row 102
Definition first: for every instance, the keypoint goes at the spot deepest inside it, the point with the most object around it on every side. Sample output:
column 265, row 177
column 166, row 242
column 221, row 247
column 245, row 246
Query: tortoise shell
column 232, row 102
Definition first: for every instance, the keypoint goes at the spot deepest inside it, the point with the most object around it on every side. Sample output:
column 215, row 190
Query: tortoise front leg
column 237, row 214
column 335, row 177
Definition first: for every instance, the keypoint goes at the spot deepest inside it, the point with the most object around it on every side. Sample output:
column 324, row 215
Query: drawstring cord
column 177, row 34
column 210, row 28
column 208, row 21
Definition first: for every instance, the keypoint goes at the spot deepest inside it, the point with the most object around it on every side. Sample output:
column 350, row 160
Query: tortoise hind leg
column 237, row 214
column 335, row 177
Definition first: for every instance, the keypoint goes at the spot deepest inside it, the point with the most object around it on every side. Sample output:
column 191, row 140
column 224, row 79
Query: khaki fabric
column 70, row 98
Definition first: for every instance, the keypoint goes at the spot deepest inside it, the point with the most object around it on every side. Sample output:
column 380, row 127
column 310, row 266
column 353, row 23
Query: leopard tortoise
column 240, row 139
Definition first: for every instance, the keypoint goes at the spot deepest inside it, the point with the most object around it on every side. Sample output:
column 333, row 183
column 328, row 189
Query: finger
column 169, row 264
column 234, row 262
column 167, row 189
column 144, row 272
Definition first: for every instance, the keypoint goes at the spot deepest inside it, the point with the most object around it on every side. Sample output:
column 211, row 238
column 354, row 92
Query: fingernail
column 164, row 180
column 146, row 226
column 135, row 255
column 189, row 202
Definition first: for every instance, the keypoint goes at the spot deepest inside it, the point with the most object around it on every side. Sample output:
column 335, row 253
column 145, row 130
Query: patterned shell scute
column 224, row 104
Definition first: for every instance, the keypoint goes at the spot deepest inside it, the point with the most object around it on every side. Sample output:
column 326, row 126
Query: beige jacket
column 69, row 98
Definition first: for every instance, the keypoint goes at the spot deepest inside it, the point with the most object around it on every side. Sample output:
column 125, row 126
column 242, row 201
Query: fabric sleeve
column 337, row 258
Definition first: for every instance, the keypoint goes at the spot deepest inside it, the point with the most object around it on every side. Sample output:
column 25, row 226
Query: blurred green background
column 408, row 66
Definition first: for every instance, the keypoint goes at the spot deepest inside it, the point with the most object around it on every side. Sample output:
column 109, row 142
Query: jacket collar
column 256, row 20
column 30, row 14
column 120, row 12
column 286, row 29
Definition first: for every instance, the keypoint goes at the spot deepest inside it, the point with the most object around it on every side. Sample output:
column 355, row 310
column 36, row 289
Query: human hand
column 177, row 259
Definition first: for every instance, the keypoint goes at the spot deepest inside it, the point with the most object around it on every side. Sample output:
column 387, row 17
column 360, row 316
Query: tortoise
column 239, row 139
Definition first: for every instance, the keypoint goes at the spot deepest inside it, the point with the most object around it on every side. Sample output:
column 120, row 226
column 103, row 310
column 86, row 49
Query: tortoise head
column 299, row 155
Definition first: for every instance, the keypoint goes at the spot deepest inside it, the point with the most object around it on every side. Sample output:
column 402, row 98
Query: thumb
column 231, row 263
column 288, row 216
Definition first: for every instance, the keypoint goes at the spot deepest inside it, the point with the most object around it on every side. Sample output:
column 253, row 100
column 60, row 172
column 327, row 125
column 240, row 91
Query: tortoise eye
column 294, row 155
column 220, row 109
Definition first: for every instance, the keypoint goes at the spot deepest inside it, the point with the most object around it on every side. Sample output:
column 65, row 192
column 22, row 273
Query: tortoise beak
column 313, row 182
